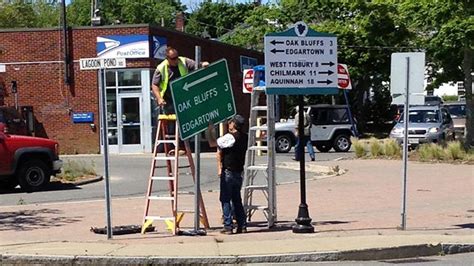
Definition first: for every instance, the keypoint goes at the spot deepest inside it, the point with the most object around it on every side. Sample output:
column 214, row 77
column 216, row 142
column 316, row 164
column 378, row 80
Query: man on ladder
column 173, row 67
column 170, row 69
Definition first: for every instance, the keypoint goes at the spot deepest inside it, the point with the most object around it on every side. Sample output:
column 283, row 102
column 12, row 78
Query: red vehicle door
column 5, row 157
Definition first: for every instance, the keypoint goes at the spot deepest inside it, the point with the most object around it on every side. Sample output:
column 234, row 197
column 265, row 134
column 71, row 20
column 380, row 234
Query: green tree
column 259, row 21
column 446, row 30
column 38, row 14
column 79, row 13
column 126, row 12
column 213, row 20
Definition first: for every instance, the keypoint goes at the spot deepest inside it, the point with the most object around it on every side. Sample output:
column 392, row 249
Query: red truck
column 27, row 161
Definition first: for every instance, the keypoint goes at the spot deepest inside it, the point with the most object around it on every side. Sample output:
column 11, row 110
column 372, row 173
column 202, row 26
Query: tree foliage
column 39, row 14
column 213, row 20
column 446, row 30
column 368, row 33
column 126, row 12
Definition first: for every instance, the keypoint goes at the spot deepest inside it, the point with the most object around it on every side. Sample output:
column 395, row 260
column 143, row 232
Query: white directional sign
column 414, row 63
column 99, row 63
column 301, row 61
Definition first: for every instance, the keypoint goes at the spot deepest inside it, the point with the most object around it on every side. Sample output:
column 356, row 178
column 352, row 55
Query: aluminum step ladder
column 169, row 144
column 260, row 178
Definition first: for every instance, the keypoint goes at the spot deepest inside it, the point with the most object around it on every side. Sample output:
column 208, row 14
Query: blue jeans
column 309, row 145
column 231, row 183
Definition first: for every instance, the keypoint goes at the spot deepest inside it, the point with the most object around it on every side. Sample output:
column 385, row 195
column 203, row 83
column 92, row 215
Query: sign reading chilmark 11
column 202, row 97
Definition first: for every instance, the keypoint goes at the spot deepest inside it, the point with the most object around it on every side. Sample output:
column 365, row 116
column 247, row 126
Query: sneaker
column 241, row 230
column 227, row 231
column 313, row 159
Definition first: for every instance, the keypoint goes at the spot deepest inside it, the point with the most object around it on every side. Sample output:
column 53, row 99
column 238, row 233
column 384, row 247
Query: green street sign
column 202, row 97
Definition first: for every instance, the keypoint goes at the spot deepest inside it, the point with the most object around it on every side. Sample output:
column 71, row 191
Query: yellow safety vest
column 163, row 68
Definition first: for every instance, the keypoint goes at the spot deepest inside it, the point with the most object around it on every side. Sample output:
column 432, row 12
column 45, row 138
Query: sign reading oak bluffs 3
column 202, row 97
column 301, row 61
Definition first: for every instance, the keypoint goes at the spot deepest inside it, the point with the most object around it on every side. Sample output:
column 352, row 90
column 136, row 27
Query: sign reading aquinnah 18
column 300, row 61
column 202, row 97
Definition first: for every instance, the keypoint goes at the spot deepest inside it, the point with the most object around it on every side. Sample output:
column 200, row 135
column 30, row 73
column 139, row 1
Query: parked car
column 331, row 128
column 27, row 161
column 433, row 100
column 285, row 136
column 457, row 110
column 426, row 124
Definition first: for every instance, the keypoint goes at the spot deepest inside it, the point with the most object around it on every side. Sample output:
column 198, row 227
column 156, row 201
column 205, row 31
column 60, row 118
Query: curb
column 88, row 181
column 422, row 250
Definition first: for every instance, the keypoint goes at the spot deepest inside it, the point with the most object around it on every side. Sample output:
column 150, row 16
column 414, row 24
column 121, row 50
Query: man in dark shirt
column 231, row 159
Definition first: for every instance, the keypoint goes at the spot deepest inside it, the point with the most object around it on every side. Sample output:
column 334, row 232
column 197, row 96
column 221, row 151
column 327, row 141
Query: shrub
column 359, row 148
column 455, row 151
column 376, row 148
column 392, row 148
column 74, row 169
column 430, row 152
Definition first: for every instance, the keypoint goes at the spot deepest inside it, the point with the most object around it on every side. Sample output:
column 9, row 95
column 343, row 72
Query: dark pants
column 300, row 142
column 231, row 183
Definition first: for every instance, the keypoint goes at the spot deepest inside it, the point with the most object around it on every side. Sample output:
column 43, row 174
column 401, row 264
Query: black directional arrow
column 329, row 72
column 275, row 42
column 325, row 81
column 274, row 50
column 328, row 64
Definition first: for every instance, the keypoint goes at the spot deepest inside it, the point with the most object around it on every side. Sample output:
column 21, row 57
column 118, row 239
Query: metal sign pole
column 197, row 151
column 405, row 146
column 105, row 143
column 303, row 221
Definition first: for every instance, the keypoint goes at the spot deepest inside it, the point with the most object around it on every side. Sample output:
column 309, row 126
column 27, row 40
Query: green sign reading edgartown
column 202, row 97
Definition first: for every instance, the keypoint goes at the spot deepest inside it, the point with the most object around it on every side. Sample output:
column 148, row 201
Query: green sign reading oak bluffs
column 202, row 97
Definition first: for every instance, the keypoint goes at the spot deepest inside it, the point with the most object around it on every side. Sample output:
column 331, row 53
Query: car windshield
column 457, row 111
column 423, row 116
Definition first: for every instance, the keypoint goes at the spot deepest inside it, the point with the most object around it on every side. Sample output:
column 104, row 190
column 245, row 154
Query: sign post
column 102, row 64
column 407, row 84
column 301, row 61
column 202, row 97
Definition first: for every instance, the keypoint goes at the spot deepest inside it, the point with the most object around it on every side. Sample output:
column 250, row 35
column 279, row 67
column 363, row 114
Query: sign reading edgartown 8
column 300, row 61
column 202, row 97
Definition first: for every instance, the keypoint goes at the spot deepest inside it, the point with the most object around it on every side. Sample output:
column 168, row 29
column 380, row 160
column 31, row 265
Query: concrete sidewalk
column 356, row 216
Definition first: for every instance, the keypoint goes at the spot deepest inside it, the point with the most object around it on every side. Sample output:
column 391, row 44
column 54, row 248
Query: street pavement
column 356, row 216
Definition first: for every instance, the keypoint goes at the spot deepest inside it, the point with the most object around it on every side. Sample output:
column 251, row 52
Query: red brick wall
column 41, row 84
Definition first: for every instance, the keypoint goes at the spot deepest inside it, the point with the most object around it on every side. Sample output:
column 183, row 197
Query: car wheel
column 33, row 175
column 283, row 143
column 323, row 147
column 342, row 143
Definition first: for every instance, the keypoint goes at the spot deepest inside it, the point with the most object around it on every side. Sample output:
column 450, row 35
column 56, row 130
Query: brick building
column 65, row 99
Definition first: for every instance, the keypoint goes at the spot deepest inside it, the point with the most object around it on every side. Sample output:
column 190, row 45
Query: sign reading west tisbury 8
column 202, row 97
column 300, row 61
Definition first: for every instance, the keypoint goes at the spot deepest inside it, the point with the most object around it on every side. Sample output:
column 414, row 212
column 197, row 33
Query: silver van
column 427, row 124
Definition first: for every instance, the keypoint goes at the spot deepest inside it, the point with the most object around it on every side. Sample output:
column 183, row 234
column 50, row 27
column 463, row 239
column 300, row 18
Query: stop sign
column 343, row 79
column 247, row 84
